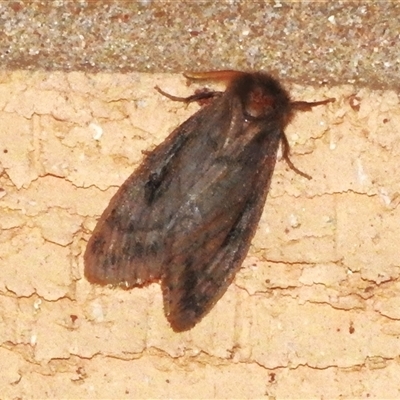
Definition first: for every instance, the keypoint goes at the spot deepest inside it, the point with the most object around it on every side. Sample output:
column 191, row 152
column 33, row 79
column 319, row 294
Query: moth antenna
column 224, row 75
column 202, row 95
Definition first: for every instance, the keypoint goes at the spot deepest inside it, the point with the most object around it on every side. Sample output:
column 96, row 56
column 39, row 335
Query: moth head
column 262, row 97
column 260, row 103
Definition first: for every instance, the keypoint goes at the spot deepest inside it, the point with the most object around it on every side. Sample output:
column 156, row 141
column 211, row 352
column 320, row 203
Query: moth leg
column 204, row 94
column 307, row 106
column 301, row 106
column 201, row 95
column 286, row 157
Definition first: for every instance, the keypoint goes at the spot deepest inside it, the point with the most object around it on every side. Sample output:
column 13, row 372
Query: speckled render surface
column 331, row 42
column 313, row 313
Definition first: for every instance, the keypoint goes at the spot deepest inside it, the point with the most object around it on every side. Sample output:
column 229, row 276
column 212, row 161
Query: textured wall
column 309, row 42
column 313, row 313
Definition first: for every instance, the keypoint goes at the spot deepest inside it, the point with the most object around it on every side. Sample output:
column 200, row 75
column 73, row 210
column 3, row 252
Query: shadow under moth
column 187, row 215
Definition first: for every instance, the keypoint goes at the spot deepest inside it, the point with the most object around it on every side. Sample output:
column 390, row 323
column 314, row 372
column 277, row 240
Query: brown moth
column 187, row 215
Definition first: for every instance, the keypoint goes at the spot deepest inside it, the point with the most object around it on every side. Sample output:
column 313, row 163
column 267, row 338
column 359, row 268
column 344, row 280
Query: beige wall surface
column 313, row 313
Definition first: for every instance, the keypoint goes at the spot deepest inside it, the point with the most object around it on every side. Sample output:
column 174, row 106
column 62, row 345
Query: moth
column 187, row 215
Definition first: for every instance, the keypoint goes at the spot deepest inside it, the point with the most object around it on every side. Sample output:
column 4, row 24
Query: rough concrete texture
column 335, row 42
column 313, row 313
